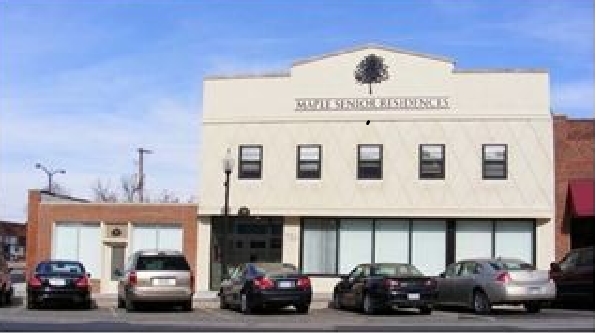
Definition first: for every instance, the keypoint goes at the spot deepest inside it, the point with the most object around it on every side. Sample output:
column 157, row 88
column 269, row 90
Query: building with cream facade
column 454, row 163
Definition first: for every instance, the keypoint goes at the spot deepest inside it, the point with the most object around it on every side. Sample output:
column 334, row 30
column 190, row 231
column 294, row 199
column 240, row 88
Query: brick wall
column 42, row 215
column 574, row 158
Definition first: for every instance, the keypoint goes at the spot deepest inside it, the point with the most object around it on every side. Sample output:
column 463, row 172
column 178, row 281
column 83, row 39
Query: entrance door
column 247, row 239
column 114, row 260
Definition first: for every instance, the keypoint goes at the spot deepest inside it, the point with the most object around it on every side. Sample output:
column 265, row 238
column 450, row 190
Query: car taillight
column 504, row 277
column 431, row 283
column 262, row 282
column 304, row 282
column 390, row 283
column 34, row 282
column 132, row 278
column 83, row 282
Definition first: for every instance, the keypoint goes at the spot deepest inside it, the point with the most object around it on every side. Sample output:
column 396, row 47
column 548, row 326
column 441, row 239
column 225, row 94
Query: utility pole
column 141, row 184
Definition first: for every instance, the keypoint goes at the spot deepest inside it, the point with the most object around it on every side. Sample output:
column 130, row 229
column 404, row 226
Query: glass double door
column 245, row 239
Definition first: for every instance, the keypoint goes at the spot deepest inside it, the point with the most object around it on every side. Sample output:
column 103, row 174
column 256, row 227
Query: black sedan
column 59, row 280
column 265, row 285
column 372, row 287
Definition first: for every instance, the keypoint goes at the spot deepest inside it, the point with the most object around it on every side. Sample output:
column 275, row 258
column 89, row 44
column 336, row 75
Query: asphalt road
column 320, row 318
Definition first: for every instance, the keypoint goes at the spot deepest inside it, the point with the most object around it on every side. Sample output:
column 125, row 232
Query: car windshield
column 395, row 270
column 273, row 268
column 60, row 267
column 511, row 265
column 162, row 263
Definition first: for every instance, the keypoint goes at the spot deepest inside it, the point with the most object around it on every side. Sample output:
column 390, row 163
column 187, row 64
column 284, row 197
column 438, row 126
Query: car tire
column 88, row 305
column 368, row 306
column 187, row 305
column 245, row 306
column 425, row 310
column 302, row 308
column 532, row 307
column 481, row 303
column 121, row 303
column 8, row 299
column 222, row 301
column 130, row 306
column 31, row 305
column 336, row 302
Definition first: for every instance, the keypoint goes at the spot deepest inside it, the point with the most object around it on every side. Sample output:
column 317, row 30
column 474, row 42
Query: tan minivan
column 156, row 276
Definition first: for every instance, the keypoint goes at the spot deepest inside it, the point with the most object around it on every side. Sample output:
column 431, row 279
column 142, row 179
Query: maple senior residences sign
column 372, row 103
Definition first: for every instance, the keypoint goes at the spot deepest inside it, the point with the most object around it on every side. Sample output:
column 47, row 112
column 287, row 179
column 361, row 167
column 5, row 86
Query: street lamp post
column 50, row 174
column 228, row 165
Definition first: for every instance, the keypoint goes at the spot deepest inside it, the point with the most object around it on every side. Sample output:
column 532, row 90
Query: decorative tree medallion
column 371, row 70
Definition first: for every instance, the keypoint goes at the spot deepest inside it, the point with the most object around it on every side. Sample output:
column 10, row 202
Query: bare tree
column 128, row 187
column 167, row 197
column 103, row 192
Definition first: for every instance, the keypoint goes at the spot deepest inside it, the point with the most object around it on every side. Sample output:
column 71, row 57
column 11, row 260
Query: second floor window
column 250, row 162
column 432, row 161
column 370, row 161
column 309, row 162
column 494, row 161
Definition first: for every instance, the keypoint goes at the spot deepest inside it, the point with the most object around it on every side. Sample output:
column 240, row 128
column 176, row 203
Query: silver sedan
column 481, row 283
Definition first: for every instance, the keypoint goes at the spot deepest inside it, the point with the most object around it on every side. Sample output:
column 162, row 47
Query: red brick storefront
column 45, row 210
column 574, row 172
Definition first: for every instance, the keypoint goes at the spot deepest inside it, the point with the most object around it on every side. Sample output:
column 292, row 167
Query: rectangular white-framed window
column 392, row 241
column 308, row 164
column 250, row 161
column 432, row 161
column 514, row 239
column 370, row 161
column 319, row 246
column 355, row 243
column 79, row 242
column 494, row 161
column 156, row 237
column 473, row 239
column 429, row 246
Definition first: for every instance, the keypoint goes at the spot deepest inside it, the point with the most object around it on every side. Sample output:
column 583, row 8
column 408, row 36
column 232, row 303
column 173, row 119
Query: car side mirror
column 555, row 267
column 88, row 275
column 117, row 272
column 442, row 275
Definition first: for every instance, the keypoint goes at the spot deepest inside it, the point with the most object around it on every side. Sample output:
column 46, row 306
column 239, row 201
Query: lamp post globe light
column 49, row 173
column 228, row 165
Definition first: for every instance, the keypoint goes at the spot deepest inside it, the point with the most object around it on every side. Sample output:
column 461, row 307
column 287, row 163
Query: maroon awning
column 581, row 196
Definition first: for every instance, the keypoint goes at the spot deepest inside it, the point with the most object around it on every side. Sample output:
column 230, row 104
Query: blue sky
column 84, row 83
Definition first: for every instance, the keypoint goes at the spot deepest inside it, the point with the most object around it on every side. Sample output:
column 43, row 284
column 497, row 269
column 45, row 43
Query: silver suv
column 156, row 276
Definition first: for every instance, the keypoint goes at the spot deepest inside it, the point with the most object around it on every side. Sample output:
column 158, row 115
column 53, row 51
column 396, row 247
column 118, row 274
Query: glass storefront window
column 319, row 246
column 355, row 244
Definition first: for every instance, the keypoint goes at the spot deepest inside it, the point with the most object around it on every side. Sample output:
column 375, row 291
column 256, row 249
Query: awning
column 581, row 197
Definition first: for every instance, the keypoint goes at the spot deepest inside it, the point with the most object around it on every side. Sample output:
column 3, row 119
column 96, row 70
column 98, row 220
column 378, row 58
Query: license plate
column 534, row 290
column 164, row 282
column 57, row 282
column 285, row 284
column 414, row 297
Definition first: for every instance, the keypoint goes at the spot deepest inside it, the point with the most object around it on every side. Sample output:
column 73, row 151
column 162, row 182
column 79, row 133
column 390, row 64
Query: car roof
column 153, row 252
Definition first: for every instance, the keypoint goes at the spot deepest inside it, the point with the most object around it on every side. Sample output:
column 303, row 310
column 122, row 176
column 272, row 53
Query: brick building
column 103, row 235
column 13, row 240
column 574, row 183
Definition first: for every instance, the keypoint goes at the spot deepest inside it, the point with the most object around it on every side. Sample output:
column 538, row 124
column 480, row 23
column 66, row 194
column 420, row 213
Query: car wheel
column 130, row 306
column 8, row 299
column 187, row 305
column 222, row 301
column 121, row 304
column 244, row 305
column 367, row 305
column 532, row 307
column 336, row 301
column 302, row 308
column 425, row 310
column 31, row 305
column 481, row 303
column 88, row 305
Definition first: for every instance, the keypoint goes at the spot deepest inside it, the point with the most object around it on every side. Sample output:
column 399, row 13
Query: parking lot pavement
column 320, row 318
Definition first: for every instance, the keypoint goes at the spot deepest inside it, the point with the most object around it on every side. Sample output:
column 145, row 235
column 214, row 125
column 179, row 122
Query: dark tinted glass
column 511, row 266
column 60, row 267
column 395, row 270
column 162, row 263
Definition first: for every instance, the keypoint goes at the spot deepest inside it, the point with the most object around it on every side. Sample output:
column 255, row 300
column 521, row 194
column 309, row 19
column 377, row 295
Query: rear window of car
column 395, row 270
column 511, row 266
column 60, row 267
column 273, row 268
column 162, row 263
